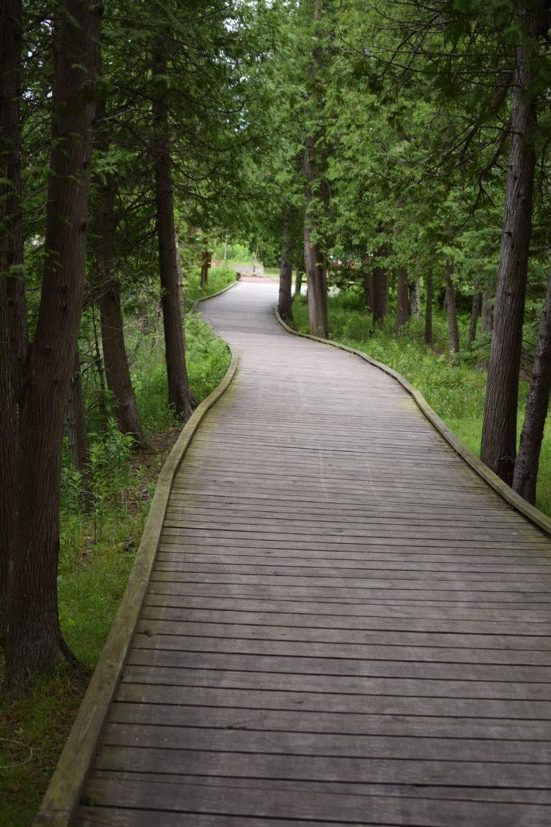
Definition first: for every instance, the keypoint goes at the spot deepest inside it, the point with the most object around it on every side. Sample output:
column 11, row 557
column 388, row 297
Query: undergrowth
column 453, row 384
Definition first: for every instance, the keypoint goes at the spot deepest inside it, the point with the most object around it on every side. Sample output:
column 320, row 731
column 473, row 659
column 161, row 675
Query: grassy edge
column 202, row 299
column 65, row 788
column 536, row 516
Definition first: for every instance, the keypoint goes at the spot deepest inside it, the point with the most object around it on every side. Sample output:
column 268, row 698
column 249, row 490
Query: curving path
column 344, row 625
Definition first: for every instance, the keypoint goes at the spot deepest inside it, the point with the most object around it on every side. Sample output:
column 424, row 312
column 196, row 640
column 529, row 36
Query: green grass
column 453, row 385
column 219, row 277
column 97, row 552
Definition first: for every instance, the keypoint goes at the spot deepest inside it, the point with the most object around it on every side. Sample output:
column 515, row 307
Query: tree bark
column 313, row 263
column 367, row 284
column 206, row 260
column 77, row 434
column 428, row 309
column 285, row 303
column 500, row 408
column 453, row 329
column 179, row 394
column 415, row 299
column 380, row 291
column 526, row 465
column 402, row 300
column 34, row 641
column 13, row 325
column 115, row 358
column 475, row 314
column 487, row 313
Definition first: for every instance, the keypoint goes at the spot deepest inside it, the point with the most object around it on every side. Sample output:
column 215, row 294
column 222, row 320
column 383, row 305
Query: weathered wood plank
column 262, row 801
column 293, row 720
column 222, row 695
column 203, row 638
column 321, row 768
column 301, row 743
column 218, row 670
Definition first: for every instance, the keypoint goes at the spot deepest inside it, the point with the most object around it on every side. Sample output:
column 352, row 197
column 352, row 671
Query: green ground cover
column 97, row 551
column 452, row 384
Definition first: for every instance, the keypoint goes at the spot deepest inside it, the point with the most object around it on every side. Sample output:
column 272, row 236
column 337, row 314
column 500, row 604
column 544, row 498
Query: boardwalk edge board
column 197, row 302
column 66, row 785
column 515, row 500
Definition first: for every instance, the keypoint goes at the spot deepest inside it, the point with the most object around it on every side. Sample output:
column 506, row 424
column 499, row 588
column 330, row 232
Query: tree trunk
column 487, row 311
column 380, row 293
column 206, row 260
column 34, row 641
column 100, row 372
column 451, row 310
column 367, row 284
column 13, row 326
column 77, row 434
column 402, row 300
column 428, row 309
column 115, row 358
column 475, row 314
column 313, row 264
column 415, row 299
column 285, row 304
column 526, row 466
column 179, row 393
column 501, row 403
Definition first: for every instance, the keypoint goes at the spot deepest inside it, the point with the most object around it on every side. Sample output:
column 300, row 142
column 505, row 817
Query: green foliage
column 219, row 277
column 208, row 357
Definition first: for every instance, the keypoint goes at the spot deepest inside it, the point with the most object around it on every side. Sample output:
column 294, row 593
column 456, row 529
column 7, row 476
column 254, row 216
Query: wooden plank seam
column 63, row 795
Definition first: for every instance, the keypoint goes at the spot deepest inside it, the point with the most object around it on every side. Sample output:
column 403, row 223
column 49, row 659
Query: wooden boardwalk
column 345, row 625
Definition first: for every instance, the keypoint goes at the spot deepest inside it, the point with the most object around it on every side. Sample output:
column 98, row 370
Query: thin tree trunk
column 313, row 264
column 526, row 465
column 451, row 310
column 380, row 291
column 500, row 409
column 367, row 284
column 475, row 315
column 415, row 299
column 285, row 303
column 34, row 640
column 487, row 313
column 206, row 260
column 402, row 300
column 100, row 371
column 115, row 357
column 13, row 326
column 428, row 309
column 79, row 448
column 179, row 394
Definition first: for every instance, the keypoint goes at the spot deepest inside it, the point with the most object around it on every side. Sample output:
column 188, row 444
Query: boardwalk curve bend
column 344, row 624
